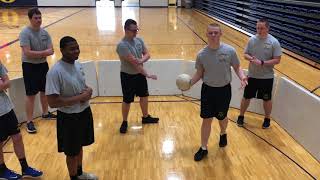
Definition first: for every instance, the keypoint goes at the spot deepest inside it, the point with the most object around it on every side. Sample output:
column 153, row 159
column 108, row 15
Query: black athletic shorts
column 8, row 125
column 259, row 88
column 34, row 76
column 133, row 85
column 215, row 101
column 74, row 131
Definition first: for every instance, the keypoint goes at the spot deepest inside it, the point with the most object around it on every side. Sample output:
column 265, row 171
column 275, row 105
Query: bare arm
column 4, row 83
column 271, row 62
column 145, row 56
column 197, row 76
column 248, row 57
column 238, row 70
column 134, row 61
column 37, row 54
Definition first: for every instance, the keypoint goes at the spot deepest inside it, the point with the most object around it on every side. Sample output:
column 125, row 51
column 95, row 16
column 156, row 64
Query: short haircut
column 33, row 11
column 65, row 40
column 129, row 22
column 265, row 20
column 214, row 25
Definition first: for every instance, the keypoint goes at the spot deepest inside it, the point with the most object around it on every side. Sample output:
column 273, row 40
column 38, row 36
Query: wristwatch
column 262, row 62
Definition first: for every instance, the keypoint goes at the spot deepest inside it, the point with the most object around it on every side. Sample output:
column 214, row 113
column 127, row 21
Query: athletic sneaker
column 31, row 128
column 31, row 173
column 200, row 154
column 10, row 175
column 266, row 123
column 49, row 116
column 223, row 140
column 124, row 127
column 149, row 119
column 240, row 121
column 87, row 176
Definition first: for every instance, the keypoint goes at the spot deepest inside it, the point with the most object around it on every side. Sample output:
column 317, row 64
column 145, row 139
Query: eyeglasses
column 133, row 30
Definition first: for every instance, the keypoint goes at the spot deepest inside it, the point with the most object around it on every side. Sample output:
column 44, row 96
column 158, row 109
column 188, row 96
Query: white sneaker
column 87, row 176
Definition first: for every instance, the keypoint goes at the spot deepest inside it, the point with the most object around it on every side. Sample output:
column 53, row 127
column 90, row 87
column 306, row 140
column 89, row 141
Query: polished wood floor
column 163, row 151
column 169, row 33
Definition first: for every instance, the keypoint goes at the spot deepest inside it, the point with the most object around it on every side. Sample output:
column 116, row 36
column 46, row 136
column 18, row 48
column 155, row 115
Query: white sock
column 203, row 148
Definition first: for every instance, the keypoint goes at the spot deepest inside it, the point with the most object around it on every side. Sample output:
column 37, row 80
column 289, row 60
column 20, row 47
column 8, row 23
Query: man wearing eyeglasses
column 213, row 66
column 133, row 53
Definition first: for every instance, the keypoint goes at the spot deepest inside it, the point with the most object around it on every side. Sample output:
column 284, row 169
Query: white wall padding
column 109, row 78
column 167, row 71
column 17, row 95
column 153, row 3
column 89, row 68
column 256, row 105
column 195, row 90
column 298, row 111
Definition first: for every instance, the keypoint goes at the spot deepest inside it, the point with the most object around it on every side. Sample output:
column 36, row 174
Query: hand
column 136, row 61
column 140, row 61
column 154, row 77
column 49, row 52
column 255, row 61
column 244, row 82
column 87, row 93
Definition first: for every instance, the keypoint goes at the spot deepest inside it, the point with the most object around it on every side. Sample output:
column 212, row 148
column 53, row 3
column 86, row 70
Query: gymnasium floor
column 163, row 151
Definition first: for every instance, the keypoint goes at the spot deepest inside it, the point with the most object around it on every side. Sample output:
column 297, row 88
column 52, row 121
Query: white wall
column 66, row 3
column 160, row 3
column 298, row 112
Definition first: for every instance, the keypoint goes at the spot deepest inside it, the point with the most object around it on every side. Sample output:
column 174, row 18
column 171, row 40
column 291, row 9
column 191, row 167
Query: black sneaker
column 149, row 119
column 223, row 140
column 49, row 116
column 124, row 127
column 266, row 123
column 200, row 154
column 240, row 121
column 31, row 128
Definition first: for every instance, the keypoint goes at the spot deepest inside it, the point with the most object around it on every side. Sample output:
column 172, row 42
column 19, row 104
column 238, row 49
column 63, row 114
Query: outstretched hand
column 154, row 77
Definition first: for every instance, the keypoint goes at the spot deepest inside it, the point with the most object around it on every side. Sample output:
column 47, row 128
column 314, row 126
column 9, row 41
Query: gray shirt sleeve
column 3, row 70
column 277, row 51
column 234, row 58
column 143, row 45
column 248, row 48
column 53, row 83
column 198, row 62
column 24, row 38
column 122, row 49
column 49, row 40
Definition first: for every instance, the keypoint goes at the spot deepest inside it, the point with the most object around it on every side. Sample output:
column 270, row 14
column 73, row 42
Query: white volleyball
column 183, row 82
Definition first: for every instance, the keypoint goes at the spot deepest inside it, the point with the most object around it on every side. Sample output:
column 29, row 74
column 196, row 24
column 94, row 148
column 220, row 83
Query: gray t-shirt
column 217, row 64
column 67, row 80
column 263, row 49
column 5, row 103
column 134, row 47
column 36, row 40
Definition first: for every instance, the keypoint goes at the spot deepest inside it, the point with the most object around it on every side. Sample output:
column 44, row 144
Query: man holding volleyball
column 213, row 65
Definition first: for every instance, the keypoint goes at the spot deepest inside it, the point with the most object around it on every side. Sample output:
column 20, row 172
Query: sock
column 24, row 164
column 222, row 134
column 203, row 148
column 3, row 167
column 79, row 171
